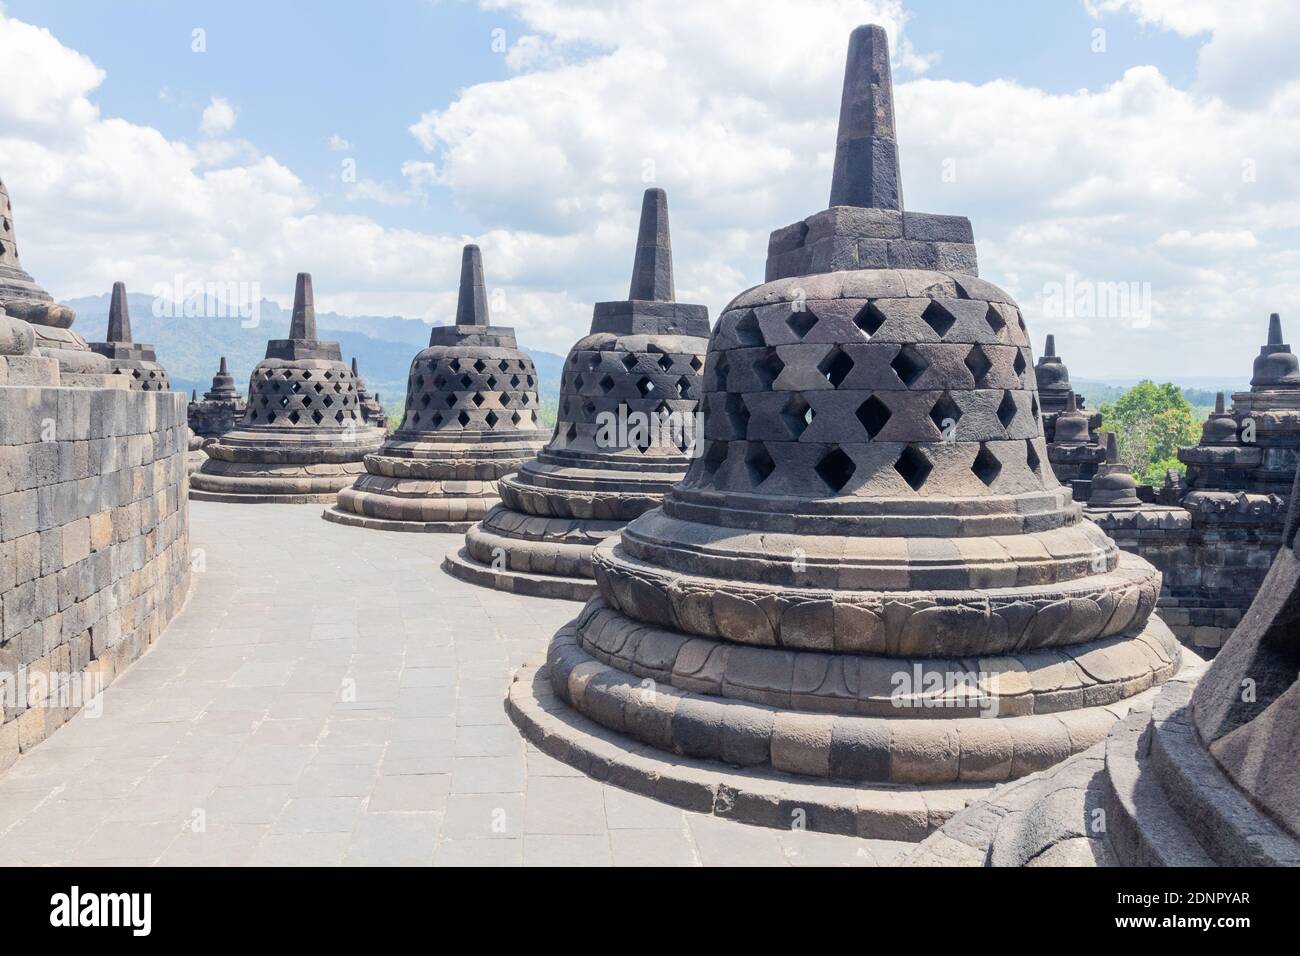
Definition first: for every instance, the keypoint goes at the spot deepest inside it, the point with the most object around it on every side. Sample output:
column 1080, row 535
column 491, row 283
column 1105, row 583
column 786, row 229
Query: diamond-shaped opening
column 425, row 399
column 514, row 381
column 908, row 364
column 319, row 388
column 504, row 365
column 769, row 367
column 714, row 456
column 516, row 418
column 945, row 414
column 437, row 419
column 1033, row 404
column 286, row 374
column 873, row 413
column 571, row 435
column 294, row 417
column 629, row 361
column 297, row 386
column 478, row 398
column 451, row 400
column 317, row 417
column 797, row 415
column 869, row 319
column 665, row 362
column 577, row 383
column 1007, row 410
column 994, row 318
column 606, row 384
column 801, row 322
column 270, row 417
column 938, row 318
column 978, row 363
column 1019, row 365
column 758, row 462
column 589, row 408
column 480, row 365
column 306, row 402
column 466, row 381
column 738, row 413
column 914, row 467
column 492, row 381
column 684, row 385
column 284, row 402
column 329, row 374
column 986, row 465
column 1020, row 320
column 455, row 365
column 463, row 418
column 1031, row 457
column 491, row 419
column 836, row 366
column 338, row 417
column 696, row 364
column 593, row 363
column 748, row 334
column 523, row 399
column 645, row 387
column 720, row 369
column 836, row 468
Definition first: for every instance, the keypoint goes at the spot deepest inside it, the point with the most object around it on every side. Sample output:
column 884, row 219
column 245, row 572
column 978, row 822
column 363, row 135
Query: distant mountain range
column 190, row 348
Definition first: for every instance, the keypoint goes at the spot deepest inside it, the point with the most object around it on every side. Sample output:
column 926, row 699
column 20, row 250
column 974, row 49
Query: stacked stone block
column 626, row 428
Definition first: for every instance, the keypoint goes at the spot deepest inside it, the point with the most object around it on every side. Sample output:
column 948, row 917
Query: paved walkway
column 330, row 696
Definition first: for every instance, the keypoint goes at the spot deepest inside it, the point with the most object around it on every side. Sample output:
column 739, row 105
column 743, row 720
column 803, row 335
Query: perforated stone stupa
column 1074, row 450
column 137, row 363
column 372, row 410
column 303, row 436
column 627, row 423
column 871, row 593
column 471, row 417
column 22, row 298
column 219, row 411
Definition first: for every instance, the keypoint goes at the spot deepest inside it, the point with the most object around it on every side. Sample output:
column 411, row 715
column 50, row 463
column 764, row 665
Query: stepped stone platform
column 626, row 428
column 471, row 418
column 1208, row 776
column 871, row 577
column 303, row 435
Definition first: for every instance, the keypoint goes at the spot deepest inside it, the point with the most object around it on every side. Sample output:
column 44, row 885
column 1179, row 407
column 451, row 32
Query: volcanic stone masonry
column 371, row 408
column 471, row 417
column 138, row 364
column 628, row 404
column 303, row 435
column 1209, row 776
column 94, row 525
column 871, row 593
column 219, row 411
column 1072, row 446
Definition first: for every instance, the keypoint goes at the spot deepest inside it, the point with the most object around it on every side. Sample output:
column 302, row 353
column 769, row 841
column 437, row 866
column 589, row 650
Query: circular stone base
column 770, row 799
column 463, row 566
column 197, row 494
column 339, row 516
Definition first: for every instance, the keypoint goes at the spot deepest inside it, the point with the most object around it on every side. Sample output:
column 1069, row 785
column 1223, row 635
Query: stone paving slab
column 329, row 696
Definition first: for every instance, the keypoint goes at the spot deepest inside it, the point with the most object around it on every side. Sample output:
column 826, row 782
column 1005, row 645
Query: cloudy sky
column 1130, row 166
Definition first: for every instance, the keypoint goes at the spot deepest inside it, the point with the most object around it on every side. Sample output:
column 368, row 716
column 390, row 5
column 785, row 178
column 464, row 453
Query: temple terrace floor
column 330, row 696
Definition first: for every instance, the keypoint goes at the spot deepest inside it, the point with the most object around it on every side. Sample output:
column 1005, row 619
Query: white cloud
column 218, row 117
column 338, row 144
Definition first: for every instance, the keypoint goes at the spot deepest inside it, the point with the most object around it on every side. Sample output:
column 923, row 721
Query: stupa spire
column 303, row 325
column 652, row 269
column 119, row 315
column 1275, row 330
column 866, row 169
column 1218, row 404
column 471, row 303
column 1049, row 350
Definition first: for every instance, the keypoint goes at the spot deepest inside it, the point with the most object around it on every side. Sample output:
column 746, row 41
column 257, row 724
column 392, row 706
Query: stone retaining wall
column 94, row 545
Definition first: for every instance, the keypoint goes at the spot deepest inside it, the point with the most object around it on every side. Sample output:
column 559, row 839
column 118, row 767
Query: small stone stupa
column 21, row 298
column 1074, row 450
column 471, row 417
column 371, row 408
column 302, row 436
column 137, row 363
column 627, row 424
column 219, row 411
column 871, row 593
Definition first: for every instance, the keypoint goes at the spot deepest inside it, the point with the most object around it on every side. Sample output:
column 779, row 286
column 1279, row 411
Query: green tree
column 1151, row 422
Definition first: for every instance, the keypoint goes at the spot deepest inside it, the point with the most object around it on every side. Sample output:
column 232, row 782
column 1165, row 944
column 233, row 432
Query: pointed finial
column 471, row 304
column 303, row 325
column 1049, row 350
column 355, row 373
column 119, row 316
column 866, row 149
column 1112, row 449
column 222, row 369
column 1071, row 404
column 1275, row 330
column 1218, row 404
column 194, row 395
column 652, row 269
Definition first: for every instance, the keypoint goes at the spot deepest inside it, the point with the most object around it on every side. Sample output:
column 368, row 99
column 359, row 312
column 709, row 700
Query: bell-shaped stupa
column 21, row 298
column 372, row 410
column 137, row 363
column 471, row 417
column 871, row 593
column 1074, row 450
column 302, row 436
column 626, row 429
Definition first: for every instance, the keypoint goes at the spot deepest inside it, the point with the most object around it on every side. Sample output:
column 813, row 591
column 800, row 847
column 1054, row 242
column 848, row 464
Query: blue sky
column 1100, row 166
